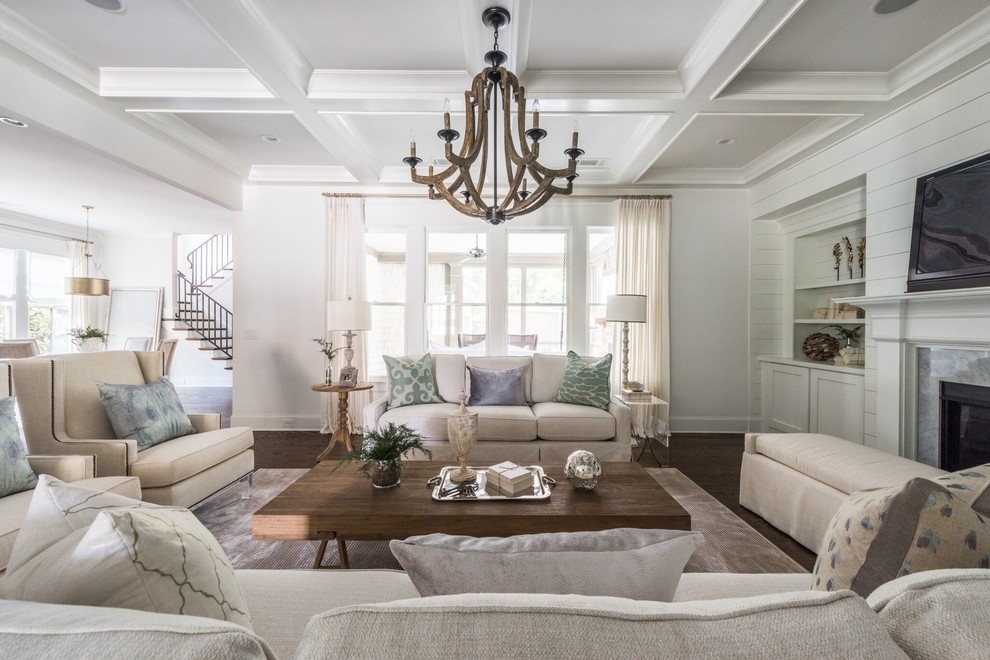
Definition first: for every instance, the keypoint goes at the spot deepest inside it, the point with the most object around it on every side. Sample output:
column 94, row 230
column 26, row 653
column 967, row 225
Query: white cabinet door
column 785, row 398
column 837, row 405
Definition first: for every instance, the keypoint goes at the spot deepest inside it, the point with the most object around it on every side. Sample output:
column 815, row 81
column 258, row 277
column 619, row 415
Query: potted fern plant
column 382, row 451
column 88, row 339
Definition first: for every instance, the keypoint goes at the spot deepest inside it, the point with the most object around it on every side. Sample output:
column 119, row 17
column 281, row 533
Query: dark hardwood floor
column 710, row 460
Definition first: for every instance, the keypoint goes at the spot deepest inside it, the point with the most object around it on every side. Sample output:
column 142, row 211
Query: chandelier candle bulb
column 536, row 113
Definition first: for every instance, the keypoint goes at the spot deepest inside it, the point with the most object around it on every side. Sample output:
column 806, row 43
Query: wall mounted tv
column 950, row 244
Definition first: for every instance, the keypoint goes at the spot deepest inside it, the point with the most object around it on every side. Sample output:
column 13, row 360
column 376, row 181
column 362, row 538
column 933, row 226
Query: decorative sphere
column 583, row 470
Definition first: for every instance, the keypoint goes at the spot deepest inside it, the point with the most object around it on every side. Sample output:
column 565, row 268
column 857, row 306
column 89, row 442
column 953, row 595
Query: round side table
column 343, row 433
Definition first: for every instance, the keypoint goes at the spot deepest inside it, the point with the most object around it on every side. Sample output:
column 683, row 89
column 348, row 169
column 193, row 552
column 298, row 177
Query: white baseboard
column 278, row 422
column 710, row 424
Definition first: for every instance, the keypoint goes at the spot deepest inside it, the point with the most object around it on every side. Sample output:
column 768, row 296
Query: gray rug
column 731, row 546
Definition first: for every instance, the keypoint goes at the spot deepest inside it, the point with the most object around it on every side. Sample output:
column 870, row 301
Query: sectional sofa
column 543, row 430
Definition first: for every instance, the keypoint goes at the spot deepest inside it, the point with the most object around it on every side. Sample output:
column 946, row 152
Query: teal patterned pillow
column 149, row 413
column 585, row 384
column 16, row 474
column 410, row 384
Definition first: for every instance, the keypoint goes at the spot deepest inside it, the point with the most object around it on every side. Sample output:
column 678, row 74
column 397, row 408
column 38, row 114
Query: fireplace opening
column 964, row 426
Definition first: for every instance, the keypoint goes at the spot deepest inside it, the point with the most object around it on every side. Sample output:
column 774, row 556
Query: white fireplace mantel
column 902, row 323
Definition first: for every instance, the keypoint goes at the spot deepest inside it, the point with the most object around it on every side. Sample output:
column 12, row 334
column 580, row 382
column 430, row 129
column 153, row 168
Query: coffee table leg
column 342, row 552
column 318, row 562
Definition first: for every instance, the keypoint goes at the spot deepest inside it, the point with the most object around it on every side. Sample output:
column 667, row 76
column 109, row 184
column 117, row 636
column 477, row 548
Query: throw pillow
column 881, row 534
column 585, row 384
column 16, row 474
column 122, row 553
column 498, row 388
column 410, row 383
column 150, row 413
column 971, row 485
column 641, row 564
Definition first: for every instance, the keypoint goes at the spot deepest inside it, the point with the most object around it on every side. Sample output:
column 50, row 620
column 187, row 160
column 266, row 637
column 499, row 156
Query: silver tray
column 444, row 490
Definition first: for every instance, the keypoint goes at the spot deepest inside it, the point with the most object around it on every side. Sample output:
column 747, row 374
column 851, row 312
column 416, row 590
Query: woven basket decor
column 820, row 347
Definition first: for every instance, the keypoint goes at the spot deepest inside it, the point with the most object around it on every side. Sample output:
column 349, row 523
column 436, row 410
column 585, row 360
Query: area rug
column 731, row 546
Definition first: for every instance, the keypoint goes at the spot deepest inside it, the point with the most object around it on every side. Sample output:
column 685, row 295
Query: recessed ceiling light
column 725, row 141
column 109, row 5
column 890, row 6
column 10, row 121
column 274, row 139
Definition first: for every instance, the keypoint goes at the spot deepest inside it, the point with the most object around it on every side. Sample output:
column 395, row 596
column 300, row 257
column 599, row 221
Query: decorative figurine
column 849, row 255
column 583, row 470
column 462, row 431
column 837, row 251
column 861, row 250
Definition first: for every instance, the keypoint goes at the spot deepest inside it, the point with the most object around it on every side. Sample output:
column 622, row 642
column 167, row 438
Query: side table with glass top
column 650, row 417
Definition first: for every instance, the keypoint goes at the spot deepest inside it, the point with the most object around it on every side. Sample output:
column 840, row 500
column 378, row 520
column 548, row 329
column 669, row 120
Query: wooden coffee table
column 344, row 506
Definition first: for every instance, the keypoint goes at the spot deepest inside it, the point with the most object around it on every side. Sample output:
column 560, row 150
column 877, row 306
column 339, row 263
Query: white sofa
column 796, row 481
column 372, row 614
column 543, row 431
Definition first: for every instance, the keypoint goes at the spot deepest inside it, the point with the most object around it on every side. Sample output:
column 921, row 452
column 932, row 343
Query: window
column 537, row 291
column 8, row 292
column 386, row 275
column 456, row 291
column 601, row 284
column 32, row 299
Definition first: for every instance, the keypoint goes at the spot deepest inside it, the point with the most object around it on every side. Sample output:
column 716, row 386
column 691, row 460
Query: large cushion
column 84, row 547
column 793, row 625
column 509, row 423
column 410, row 383
column 937, row 614
column 504, row 387
column 642, row 564
column 881, row 534
column 501, row 363
column 16, row 475
column 36, row 630
column 150, row 413
column 585, row 384
column 838, row 463
column 428, row 420
column 548, row 373
column 567, row 421
column 180, row 458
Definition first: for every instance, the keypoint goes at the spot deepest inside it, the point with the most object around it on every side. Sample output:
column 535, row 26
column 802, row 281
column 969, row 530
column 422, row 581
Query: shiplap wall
column 766, row 308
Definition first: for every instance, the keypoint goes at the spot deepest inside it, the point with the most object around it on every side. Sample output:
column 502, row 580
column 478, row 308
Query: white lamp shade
column 627, row 307
column 348, row 315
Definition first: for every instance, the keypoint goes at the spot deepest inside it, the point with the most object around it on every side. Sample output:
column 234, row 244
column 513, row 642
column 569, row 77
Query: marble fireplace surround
column 957, row 321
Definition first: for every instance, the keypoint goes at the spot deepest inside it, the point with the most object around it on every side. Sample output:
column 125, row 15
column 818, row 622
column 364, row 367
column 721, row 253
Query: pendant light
column 87, row 286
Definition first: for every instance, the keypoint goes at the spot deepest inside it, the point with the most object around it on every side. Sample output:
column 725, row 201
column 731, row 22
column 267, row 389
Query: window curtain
column 79, row 312
column 642, row 267
column 345, row 276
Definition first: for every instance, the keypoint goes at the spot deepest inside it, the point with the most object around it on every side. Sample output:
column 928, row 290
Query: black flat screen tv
column 950, row 243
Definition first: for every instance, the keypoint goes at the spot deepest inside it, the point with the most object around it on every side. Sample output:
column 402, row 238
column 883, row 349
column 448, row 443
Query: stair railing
column 203, row 314
column 209, row 259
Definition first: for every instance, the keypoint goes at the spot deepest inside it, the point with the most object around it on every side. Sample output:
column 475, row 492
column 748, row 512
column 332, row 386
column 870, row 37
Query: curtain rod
column 43, row 233
column 415, row 196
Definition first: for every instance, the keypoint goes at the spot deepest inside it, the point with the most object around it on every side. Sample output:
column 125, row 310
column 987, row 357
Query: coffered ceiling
column 666, row 92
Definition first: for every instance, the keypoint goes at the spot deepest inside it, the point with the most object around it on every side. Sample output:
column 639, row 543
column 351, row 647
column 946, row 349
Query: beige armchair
column 62, row 413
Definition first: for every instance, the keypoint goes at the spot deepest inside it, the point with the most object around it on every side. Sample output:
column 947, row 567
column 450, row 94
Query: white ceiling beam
column 808, row 86
column 25, row 37
column 185, row 83
column 249, row 30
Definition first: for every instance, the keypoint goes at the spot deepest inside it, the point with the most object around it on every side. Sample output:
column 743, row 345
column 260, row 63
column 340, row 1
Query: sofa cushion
column 505, row 423
column 428, row 420
column 568, row 421
column 792, row 625
column 838, row 463
column 180, row 458
column 150, row 413
column 449, row 372
column 410, row 383
column 937, row 614
column 502, row 362
column 642, row 564
column 971, row 485
column 585, row 384
column 16, row 475
column 120, row 553
column 881, row 534
column 502, row 387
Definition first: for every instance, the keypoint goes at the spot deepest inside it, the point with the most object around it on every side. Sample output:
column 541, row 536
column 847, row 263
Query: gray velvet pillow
column 149, row 413
column 640, row 564
column 16, row 474
column 498, row 388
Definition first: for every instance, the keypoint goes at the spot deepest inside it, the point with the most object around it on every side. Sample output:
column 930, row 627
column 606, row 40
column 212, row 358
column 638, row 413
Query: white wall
column 280, row 297
column 948, row 126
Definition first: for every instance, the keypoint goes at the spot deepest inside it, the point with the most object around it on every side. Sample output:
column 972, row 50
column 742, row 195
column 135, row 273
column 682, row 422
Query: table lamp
column 625, row 308
column 348, row 315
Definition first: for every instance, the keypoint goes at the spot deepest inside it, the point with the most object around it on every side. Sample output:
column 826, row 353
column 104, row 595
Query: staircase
column 206, row 320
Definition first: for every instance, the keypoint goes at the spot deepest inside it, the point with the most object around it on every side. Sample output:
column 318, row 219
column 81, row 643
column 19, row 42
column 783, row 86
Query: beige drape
column 642, row 265
column 346, row 277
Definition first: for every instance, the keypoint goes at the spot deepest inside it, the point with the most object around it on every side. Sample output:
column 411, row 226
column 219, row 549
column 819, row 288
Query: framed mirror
column 134, row 318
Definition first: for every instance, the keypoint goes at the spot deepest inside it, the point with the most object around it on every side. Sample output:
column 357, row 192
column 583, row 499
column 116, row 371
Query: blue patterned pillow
column 410, row 384
column 585, row 384
column 149, row 413
column 16, row 474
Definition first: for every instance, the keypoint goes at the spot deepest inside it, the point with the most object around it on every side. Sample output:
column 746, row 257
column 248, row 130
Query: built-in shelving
column 831, row 321
column 830, row 285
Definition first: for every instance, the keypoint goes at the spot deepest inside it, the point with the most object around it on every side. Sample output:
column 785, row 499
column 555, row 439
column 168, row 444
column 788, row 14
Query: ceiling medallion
column 493, row 87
